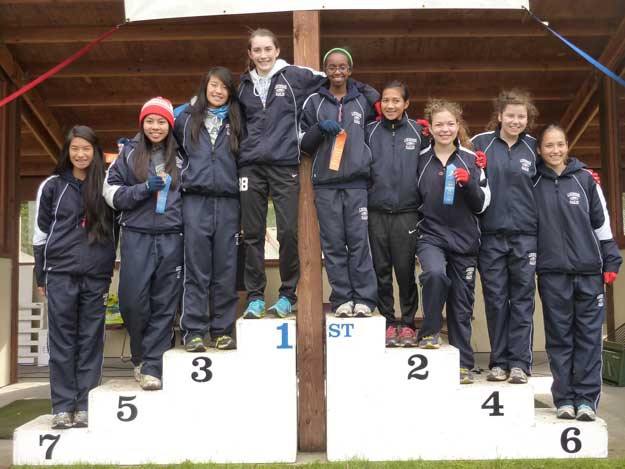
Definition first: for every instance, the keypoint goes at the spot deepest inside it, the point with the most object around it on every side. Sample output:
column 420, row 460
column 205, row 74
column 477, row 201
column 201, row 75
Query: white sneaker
column 346, row 310
column 362, row 311
column 137, row 372
column 150, row 383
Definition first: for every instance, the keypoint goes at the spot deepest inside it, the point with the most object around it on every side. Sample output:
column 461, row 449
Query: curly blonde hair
column 513, row 96
column 434, row 106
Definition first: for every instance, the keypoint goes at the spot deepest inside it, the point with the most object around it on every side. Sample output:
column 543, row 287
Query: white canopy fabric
column 137, row 10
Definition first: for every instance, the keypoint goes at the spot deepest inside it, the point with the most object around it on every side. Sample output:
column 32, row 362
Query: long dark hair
column 98, row 216
column 199, row 107
column 143, row 153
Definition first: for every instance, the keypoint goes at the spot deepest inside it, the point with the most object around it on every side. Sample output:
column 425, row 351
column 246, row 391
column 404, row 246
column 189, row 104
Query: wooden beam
column 585, row 105
column 310, row 319
column 611, row 180
column 33, row 99
column 9, row 209
column 127, row 98
column 40, row 133
column 209, row 29
column 186, row 69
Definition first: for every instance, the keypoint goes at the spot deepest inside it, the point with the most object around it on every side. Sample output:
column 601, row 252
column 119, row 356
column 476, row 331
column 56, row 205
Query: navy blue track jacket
column 271, row 131
column 352, row 112
column 454, row 228
column 125, row 193
column 509, row 171
column 574, row 234
column 206, row 169
column 60, row 239
column 395, row 146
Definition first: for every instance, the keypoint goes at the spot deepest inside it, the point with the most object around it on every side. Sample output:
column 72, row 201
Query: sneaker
column 283, row 308
column 62, row 420
column 196, row 344
column 392, row 340
column 497, row 373
column 137, row 372
column 346, row 310
column 255, row 309
column 362, row 311
column 466, row 376
column 81, row 419
column 517, row 376
column 585, row 413
column 430, row 341
column 223, row 342
column 150, row 383
column 565, row 412
column 407, row 337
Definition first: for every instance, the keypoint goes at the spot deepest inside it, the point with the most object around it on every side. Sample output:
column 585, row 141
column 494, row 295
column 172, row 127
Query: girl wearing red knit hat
column 142, row 184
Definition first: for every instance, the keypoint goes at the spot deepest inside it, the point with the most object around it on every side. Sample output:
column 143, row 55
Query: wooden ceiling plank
column 40, row 133
column 162, row 31
column 585, row 106
column 33, row 99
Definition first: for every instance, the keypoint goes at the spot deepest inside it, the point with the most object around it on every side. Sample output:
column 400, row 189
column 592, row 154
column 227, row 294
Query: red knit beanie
column 159, row 106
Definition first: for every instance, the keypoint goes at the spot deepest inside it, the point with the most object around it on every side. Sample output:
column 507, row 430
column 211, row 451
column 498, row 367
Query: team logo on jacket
column 178, row 271
column 105, row 298
column 411, row 143
column 280, row 89
column 532, row 258
column 600, row 301
column 228, row 130
column 525, row 165
column 364, row 214
column 179, row 162
column 469, row 273
column 573, row 198
column 357, row 117
column 238, row 238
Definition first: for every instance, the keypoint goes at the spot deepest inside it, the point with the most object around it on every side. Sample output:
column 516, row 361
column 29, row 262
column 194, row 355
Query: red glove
column 609, row 277
column 425, row 127
column 378, row 110
column 597, row 179
column 462, row 176
column 480, row 159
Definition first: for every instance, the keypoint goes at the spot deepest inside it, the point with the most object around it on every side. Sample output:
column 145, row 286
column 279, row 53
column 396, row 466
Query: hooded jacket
column 509, row 171
column 206, row 168
column 60, row 240
column 271, row 129
column 352, row 113
column 574, row 234
column 395, row 146
column 454, row 228
column 136, row 205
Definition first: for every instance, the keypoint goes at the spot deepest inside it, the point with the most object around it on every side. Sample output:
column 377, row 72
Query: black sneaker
column 195, row 344
column 223, row 342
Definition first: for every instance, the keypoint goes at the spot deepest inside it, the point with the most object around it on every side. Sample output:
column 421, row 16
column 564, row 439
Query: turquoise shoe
column 255, row 310
column 283, row 308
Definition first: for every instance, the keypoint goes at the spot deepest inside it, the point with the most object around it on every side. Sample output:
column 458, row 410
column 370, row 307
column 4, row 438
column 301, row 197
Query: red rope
column 26, row 88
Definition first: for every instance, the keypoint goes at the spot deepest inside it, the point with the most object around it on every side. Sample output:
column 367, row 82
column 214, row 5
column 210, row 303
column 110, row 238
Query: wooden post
column 9, row 208
column 611, row 174
column 310, row 319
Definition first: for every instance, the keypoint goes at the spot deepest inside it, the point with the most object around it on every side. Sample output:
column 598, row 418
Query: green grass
column 499, row 464
column 19, row 412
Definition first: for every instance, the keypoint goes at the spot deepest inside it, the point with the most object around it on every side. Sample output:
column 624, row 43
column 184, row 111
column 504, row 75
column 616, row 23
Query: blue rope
column 595, row 63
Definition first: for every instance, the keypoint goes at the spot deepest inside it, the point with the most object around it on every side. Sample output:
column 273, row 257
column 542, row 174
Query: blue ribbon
column 595, row 63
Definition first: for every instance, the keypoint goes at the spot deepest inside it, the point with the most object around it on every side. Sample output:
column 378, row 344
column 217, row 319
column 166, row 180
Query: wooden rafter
column 585, row 106
column 40, row 133
column 168, row 31
column 35, row 103
column 185, row 69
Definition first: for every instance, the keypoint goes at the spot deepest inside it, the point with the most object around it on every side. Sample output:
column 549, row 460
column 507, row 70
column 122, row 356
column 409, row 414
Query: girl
column 74, row 247
column 576, row 256
column 142, row 184
column 271, row 94
column 507, row 258
column 208, row 132
column 448, row 231
column 395, row 143
column 341, row 184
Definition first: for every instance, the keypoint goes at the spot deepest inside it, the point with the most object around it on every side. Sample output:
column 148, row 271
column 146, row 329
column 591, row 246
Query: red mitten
column 426, row 127
column 378, row 110
column 480, row 159
column 462, row 176
column 597, row 179
column 609, row 277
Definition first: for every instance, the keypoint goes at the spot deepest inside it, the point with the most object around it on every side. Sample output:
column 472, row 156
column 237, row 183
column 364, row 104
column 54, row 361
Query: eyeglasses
column 340, row 68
